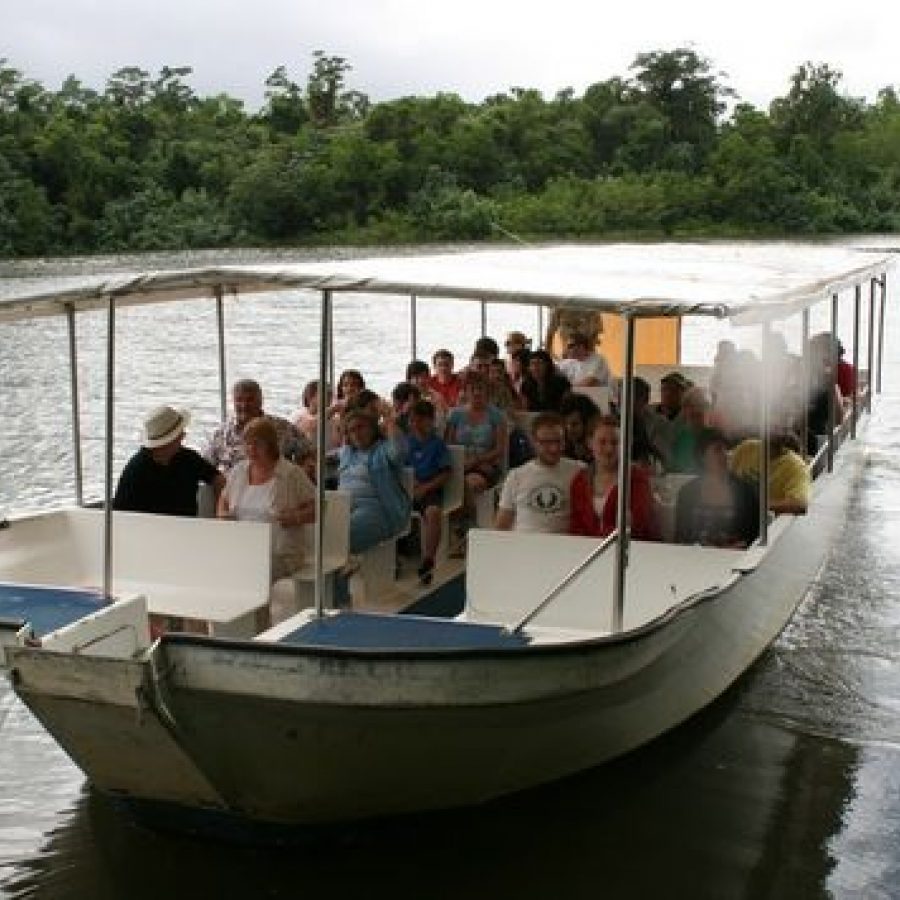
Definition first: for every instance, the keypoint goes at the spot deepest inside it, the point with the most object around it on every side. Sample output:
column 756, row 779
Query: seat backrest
column 600, row 394
column 337, row 528
column 453, row 489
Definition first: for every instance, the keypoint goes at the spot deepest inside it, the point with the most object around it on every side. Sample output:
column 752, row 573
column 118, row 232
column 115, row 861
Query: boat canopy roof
column 747, row 283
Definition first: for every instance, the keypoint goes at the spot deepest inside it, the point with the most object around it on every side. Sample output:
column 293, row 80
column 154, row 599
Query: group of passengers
column 561, row 477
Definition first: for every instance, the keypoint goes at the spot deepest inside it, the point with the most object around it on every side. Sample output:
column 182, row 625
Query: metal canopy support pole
column 483, row 318
column 107, row 486
column 220, row 331
column 324, row 364
column 624, row 497
column 832, row 369
column 883, row 281
column 764, row 436
column 804, row 348
column 870, row 346
column 540, row 328
column 854, row 407
column 413, row 337
column 76, row 406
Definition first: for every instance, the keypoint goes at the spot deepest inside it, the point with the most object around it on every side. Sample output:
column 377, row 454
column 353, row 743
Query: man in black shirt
column 162, row 477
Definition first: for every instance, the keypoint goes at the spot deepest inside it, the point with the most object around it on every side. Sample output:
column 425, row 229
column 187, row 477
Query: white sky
column 471, row 47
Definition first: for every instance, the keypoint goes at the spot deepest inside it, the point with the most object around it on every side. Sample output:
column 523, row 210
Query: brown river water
column 787, row 787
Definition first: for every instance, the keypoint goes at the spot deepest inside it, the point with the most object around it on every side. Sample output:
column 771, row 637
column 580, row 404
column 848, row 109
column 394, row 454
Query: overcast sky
column 471, row 47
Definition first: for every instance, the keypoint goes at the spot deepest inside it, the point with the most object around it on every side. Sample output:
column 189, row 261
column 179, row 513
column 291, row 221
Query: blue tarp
column 47, row 608
column 354, row 631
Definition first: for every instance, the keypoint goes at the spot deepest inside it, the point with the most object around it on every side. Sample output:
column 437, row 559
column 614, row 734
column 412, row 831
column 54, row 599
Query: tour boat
column 134, row 640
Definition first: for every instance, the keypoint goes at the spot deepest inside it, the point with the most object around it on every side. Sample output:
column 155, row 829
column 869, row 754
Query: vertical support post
column 626, row 431
column 325, row 362
column 870, row 347
column 220, row 333
column 110, row 440
column 413, row 336
column 883, row 281
column 854, row 402
column 832, row 412
column 483, row 318
column 765, row 435
column 540, row 328
column 78, row 463
column 804, row 417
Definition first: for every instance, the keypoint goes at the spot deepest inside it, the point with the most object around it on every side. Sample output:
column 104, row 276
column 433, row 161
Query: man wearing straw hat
column 163, row 476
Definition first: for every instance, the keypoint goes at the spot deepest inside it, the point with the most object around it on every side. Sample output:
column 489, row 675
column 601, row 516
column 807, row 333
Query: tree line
column 146, row 164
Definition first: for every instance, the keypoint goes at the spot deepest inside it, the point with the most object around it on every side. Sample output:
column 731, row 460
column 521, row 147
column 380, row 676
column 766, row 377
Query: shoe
column 426, row 571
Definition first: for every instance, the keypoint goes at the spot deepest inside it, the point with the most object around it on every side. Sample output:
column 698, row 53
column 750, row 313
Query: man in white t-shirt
column 536, row 496
column 582, row 365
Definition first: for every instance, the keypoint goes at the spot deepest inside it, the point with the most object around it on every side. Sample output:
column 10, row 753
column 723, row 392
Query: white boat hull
column 290, row 735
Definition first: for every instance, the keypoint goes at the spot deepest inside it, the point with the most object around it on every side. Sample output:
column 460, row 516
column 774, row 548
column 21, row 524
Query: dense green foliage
column 147, row 164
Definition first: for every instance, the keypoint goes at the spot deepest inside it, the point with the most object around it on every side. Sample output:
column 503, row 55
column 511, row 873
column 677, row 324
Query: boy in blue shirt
column 429, row 458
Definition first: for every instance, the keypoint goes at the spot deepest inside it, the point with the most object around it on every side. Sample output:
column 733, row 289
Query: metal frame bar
column 413, row 328
column 325, row 362
column 883, row 282
column 804, row 347
column 110, row 440
column 483, row 317
column 832, row 412
column 870, row 347
column 854, row 402
column 77, row 460
column 765, row 435
column 569, row 577
column 220, row 332
column 624, row 496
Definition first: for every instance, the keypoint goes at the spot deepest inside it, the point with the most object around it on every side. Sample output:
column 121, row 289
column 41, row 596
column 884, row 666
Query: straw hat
column 163, row 425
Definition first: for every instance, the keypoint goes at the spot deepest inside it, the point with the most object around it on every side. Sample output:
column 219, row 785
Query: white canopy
column 747, row 283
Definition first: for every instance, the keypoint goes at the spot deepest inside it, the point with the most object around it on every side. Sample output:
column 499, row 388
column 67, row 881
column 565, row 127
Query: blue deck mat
column 47, row 608
column 355, row 631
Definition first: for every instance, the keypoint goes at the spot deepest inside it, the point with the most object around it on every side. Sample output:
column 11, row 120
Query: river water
column 789, row 786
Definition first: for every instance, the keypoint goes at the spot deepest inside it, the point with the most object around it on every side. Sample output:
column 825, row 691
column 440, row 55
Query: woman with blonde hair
column 265, row 487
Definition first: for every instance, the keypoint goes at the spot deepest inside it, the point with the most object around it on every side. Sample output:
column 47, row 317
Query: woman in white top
column 267, row 488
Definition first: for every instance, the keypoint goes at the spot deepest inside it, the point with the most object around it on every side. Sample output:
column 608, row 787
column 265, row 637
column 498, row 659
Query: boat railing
column 568, row 578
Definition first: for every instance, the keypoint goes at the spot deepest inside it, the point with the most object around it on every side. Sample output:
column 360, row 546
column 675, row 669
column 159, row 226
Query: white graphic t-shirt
column 539, row 495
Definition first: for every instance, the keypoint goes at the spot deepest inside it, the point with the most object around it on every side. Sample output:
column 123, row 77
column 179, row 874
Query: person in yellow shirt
column 788, row 473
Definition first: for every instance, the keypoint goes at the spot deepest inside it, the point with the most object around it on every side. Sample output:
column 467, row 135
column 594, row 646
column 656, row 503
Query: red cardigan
column 585, row 521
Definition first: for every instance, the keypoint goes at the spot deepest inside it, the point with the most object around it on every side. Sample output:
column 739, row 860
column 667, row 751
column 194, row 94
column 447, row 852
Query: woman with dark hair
column 716, row 509
column 265, row 487
column 518, row 368
column 350, row 384
column 307, row 418
column 543, row 387
column 579, row 414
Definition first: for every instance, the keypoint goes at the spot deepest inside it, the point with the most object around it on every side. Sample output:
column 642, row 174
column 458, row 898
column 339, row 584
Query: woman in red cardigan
column 594, row 492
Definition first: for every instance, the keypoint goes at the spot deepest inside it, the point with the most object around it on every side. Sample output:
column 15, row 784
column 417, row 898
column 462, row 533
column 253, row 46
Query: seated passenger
column 515, row 342
column 518, row 369
column 583, row 365
column 429, row 458
column 482, row 431
column 418, row 373
column 579, row 414
column 537, row 496
column 595, row 491
column 403, row 397
column 306, row 420
column 226, row 446
column 652, row 432
column 444, row 381
column 265, row 487
column 789, row 479
column 692, row 421
column 716, row 509
column 823, row 389
column 543, row 387
column 500, row 388
column 350, row 384
column 370, row 470
column 163, row 476
column 671, row 392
